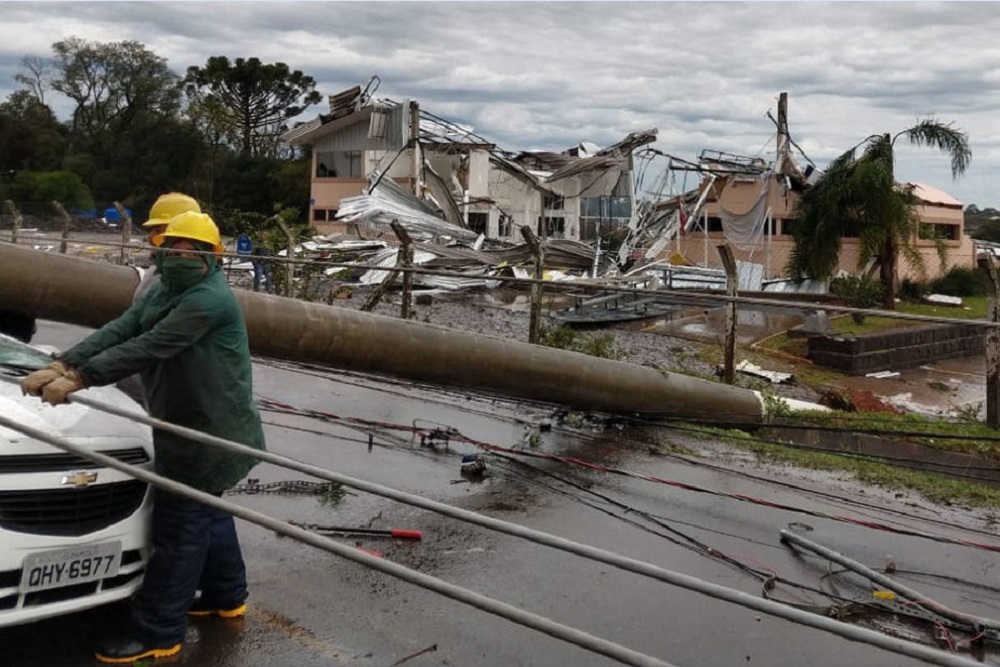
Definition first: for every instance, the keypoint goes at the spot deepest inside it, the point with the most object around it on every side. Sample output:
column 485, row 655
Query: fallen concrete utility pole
column 89, row 293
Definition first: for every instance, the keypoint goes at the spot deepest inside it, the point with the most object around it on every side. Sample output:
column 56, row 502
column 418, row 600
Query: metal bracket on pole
column 535, row 322
column 67, row 221
column 17, row 220
column 732, row 283
column 405, row 261
column 289, row 265
column 123, row 258
column 987, row 264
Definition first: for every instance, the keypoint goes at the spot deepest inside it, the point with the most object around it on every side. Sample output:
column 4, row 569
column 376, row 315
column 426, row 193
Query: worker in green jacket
column 187, row 339
column 164, row 209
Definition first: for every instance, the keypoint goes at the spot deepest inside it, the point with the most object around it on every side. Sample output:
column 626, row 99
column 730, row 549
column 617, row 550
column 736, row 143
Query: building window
column 787, row 226
column 554, row 203
column 605, row 208
column 714, row 224
column 338, row 164
column 320, row 215
column 478, row 222
column 939, row 232
column 505, row 225
column 325, row 165
column 552, row 226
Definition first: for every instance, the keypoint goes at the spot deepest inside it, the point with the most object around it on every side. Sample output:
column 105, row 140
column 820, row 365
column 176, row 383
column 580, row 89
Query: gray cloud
column 552, row 74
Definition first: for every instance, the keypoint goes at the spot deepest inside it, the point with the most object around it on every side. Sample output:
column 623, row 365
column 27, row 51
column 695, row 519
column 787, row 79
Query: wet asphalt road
column 311, row 608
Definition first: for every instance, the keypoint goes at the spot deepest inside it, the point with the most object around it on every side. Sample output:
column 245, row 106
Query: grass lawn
column 844, row 325
column 937, row 488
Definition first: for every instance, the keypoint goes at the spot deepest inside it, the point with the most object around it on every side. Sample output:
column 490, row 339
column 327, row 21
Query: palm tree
column 859, row 197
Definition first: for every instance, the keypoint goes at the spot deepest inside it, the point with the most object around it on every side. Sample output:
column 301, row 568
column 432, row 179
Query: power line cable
column 627, row 656
column 510, row 612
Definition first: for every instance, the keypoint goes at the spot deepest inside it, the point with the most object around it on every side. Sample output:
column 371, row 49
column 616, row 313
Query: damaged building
column 751, row 204
column 368, row 152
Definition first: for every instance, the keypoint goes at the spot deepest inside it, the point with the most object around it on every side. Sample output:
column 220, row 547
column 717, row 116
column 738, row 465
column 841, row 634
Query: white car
column 73, row 535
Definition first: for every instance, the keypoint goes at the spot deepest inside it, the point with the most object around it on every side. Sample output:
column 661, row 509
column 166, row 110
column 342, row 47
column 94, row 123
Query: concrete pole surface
column 89, row 293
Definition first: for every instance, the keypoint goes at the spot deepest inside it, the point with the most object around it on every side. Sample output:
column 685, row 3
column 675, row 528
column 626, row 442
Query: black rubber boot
column 128, row 650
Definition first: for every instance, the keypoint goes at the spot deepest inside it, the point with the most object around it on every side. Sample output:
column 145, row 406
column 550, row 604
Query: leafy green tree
column 30, row 136
column 112, row 84
column 129, row 140
column 988, row 231
column 35, row 77
column 63, row 186
column 247, row 183
column 293, row 189
column 258, row 98
column 858, row 196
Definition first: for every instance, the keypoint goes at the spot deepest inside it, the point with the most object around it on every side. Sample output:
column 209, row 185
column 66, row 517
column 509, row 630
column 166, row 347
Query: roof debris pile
column 386, row 201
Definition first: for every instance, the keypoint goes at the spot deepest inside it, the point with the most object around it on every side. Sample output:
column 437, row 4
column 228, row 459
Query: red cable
column 650, row 478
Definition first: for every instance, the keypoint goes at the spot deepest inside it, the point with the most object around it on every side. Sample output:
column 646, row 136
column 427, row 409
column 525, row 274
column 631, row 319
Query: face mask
column 180, row 273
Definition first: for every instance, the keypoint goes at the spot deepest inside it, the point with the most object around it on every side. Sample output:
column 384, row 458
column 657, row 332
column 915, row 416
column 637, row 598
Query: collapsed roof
column 390, row 128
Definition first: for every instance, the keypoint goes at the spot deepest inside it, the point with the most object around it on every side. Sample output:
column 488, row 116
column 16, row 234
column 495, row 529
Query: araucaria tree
column 258, row 98
column 858, row 196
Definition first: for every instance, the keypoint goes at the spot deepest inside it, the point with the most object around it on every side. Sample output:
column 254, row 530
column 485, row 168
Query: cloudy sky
column 548, row 75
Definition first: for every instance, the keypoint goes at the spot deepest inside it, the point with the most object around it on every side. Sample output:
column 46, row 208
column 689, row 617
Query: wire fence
column 303, row 264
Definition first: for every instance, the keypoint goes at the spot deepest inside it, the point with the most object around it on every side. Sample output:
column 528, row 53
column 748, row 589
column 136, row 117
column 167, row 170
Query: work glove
column 35, row 381
column 55, row 392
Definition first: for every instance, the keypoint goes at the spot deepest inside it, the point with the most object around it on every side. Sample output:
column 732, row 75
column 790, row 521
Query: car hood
column 70, row 420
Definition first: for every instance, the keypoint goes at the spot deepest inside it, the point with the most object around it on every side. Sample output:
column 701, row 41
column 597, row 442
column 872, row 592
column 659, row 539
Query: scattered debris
column 291, row 487
column 851, row 400
column 943, row 300
column 473, row 465
column 400, row 533
column 881, row 375
column 387, row 201
column 437, row 438
column 774, row 377
column 429, row 649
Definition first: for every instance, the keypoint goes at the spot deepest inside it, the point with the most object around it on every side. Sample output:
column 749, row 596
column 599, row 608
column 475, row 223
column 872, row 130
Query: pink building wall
column 739, row 196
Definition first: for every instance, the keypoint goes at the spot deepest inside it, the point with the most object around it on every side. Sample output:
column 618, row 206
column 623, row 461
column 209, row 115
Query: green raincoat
column 192, row 352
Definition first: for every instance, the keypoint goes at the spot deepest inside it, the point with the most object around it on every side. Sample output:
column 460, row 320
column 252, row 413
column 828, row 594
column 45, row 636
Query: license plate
column 75, row 565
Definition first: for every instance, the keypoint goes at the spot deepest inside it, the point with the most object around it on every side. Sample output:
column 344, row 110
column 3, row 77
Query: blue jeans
column 261, row 272
column 194, row 547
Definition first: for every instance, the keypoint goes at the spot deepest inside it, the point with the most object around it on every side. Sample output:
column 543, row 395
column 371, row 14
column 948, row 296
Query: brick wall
column 895, row 349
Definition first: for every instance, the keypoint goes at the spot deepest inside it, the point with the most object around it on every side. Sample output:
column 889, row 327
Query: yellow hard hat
column 169, row 205
column 194, row 227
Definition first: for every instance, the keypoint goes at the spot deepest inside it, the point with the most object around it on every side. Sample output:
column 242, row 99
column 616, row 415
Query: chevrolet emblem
column 79, row 479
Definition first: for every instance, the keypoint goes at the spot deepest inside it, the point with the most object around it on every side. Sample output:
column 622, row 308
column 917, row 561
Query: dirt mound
column 856, row 400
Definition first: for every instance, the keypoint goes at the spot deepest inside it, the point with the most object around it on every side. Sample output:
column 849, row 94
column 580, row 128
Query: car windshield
column 14, row 353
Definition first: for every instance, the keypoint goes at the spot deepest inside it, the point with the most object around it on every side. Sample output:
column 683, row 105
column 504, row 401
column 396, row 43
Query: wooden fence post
column 66, row 224
column 123, row 258
column 732, row 283
column 535, row 321
column 405, row 261
column 988, row 266
column 17, row 220
column 404, row 258
column 289, row 265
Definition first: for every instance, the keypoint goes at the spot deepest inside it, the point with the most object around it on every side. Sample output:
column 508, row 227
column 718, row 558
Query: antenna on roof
column 368, row 92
